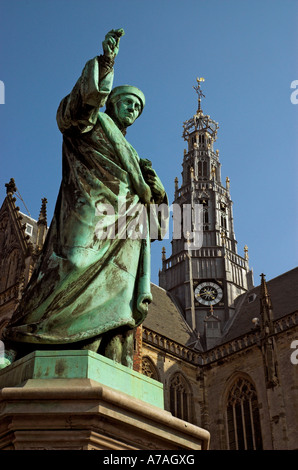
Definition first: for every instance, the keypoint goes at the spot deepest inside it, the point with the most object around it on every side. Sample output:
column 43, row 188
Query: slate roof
column 283, row 291
column 165, row 317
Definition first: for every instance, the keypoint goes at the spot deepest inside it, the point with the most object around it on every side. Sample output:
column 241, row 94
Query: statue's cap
column 127, row 90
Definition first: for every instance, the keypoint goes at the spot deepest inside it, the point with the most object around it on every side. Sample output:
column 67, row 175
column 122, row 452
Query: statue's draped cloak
column 85, row 284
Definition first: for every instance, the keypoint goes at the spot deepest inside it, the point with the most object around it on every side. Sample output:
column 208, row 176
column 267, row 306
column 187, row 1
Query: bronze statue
column 91, row 285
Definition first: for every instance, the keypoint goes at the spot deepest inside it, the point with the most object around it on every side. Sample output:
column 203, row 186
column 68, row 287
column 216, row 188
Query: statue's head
column 125, row 104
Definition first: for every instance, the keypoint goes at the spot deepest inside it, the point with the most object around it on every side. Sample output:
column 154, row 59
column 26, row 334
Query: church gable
column 247, row 318
column 13, row 245
column 21, row 239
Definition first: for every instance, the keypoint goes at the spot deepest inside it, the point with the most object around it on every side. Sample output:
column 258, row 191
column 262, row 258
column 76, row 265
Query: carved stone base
column 81, row 413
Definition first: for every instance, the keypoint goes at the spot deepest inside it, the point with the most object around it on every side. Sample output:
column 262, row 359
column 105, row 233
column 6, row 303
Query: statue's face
column 127, row 109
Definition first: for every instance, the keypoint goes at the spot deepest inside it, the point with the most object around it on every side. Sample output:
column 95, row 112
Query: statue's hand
column 151, row 178
column 156, row 186
column 110, row 44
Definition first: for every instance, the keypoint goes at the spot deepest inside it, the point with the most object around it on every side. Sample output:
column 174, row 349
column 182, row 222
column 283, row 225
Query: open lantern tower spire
column 217, row 274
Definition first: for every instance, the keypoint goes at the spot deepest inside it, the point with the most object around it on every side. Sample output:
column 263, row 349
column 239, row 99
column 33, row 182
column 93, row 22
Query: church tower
column 205, row 279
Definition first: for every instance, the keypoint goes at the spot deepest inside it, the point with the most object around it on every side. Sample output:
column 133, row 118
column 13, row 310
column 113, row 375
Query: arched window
column 223, row 216
column 149, row 369
column 242, row 417
column 180, row 398
column 202, row 168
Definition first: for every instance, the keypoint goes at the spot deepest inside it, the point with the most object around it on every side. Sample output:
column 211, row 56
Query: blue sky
column 247, row 51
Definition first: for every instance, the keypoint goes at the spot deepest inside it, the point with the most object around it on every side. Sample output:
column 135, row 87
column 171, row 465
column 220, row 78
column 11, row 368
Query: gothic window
column 242, row 417
column 180, row 398
column 187, row 174
column 223, row 216
column 223, row 221
column 204, row 202
column 202, row 168
column 149, row 369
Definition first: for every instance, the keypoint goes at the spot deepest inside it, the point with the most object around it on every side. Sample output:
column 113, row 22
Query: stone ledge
column 83, row 414
column 79, row 365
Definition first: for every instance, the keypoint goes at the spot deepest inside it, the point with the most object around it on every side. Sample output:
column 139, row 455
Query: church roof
column 165, row 317
column 284, row 296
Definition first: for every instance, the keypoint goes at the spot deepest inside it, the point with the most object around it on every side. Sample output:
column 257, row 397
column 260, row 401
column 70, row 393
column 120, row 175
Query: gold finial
column 213, row 172
column 227, row 182
column 187, row 238
column 223, row 238
column 199, row 93
column 246, row 252
column 192, row 173
column 163, row 253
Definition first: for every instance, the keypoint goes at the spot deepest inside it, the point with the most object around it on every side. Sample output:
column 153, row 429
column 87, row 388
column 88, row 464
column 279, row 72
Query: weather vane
column 199, row 92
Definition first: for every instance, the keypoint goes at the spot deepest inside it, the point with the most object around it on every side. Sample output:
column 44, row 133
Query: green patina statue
column 91, row 284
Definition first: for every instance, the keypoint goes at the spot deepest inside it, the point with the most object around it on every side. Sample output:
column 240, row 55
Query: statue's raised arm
column 78, row 111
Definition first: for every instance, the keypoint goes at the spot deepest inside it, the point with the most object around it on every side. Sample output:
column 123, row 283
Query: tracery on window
column 242, row 417
column 180, row 398
column 149, row 369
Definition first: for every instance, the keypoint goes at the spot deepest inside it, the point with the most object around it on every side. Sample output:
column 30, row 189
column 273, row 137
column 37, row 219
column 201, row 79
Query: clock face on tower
column 208, row 293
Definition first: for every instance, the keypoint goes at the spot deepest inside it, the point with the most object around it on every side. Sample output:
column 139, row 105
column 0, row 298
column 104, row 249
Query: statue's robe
column 84, row 284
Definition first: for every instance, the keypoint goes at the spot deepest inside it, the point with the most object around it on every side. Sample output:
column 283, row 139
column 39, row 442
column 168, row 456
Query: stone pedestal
column 76, row 400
